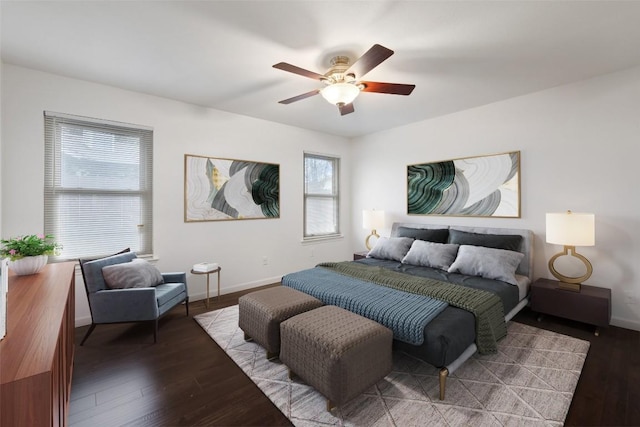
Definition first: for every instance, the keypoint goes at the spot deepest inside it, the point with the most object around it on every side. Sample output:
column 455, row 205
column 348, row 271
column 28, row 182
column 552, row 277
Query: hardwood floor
column 121, row 378
column 608, row 392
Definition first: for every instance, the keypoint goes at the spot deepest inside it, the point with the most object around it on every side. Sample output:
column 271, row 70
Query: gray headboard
column 526, row 246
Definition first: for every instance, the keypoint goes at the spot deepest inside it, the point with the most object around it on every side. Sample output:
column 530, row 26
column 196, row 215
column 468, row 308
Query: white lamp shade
column 571, row 229
column 340, row 93
column 372, row 220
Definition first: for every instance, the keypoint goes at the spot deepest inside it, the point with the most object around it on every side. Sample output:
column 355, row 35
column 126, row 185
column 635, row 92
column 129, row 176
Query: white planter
column 28, row 265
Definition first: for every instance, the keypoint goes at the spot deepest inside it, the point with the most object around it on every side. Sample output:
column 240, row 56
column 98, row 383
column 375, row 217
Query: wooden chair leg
column 186, row 304
column 91, row 328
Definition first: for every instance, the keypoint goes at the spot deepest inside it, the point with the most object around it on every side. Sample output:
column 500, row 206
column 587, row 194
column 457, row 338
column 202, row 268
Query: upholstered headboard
column 526, row 245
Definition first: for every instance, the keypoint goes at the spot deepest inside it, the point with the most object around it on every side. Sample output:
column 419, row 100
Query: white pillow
column 430, row 254
column 489, row 263
column 137, row 273
column 394, row 248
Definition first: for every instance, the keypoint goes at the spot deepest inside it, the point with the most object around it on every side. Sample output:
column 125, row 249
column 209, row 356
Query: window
column 97, row 191
column 321, row 196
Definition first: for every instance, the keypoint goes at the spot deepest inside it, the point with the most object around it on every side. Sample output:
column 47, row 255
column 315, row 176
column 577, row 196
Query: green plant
column 30, row 245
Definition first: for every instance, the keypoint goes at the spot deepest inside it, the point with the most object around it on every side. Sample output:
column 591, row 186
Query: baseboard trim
column 83, row 321
column 625, row 323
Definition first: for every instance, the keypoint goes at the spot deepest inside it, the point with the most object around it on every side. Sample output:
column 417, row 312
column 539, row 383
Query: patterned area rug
column 530, row 382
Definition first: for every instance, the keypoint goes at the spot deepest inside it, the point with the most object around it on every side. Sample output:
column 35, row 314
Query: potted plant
column 28, row 254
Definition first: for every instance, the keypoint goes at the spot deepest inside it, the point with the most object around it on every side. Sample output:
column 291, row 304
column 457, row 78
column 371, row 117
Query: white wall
column 179, row 128
column 579, row 145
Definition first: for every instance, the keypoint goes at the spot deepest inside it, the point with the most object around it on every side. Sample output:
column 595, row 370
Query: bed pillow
column 137, row 273
column 394, row 248
column 430, row 254
column 489, row 263
column 438, row 235
column 509, row 242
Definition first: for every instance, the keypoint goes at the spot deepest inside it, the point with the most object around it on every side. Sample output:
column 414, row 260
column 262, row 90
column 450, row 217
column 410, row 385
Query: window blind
column 98, row 186
column 321, row 196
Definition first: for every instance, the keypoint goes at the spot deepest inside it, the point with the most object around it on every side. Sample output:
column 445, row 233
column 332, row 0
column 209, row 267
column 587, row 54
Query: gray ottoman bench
column 339, row 353
column 262, row 311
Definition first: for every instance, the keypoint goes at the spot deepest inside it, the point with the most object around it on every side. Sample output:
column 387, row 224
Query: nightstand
column 360, row 255
column 592, row 305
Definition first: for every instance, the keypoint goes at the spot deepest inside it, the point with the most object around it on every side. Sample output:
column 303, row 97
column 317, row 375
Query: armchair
column 133, row 304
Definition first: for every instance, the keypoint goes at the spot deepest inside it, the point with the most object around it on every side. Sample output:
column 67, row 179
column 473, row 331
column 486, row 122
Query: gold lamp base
column 373, row 234
column 567, row 282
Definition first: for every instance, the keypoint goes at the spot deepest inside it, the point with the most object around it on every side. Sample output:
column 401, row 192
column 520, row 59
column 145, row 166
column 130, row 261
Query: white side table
column 217, row 270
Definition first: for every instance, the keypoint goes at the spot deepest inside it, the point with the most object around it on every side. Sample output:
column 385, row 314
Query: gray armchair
column 136, row 304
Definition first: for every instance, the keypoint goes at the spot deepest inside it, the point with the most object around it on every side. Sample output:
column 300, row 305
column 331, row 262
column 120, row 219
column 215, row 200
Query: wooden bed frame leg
column 444, row 373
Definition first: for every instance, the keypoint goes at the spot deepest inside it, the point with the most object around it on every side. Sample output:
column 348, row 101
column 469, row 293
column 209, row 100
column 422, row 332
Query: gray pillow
column 489, row 263
column 438, row 235
column 135, row 274
column 394, row 248
column 509, row 242
column 430, row 254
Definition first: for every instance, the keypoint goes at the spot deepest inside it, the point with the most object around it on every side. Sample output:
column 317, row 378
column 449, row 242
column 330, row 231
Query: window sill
column 320, row 239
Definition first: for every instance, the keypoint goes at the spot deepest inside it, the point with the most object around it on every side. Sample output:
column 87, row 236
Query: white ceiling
column 219, row 54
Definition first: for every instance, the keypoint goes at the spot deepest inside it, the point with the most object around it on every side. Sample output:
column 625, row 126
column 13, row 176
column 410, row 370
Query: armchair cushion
column 137, row 273
column 168, row 291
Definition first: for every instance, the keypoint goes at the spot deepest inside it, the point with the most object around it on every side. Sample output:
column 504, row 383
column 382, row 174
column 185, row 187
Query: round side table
column 217, row 270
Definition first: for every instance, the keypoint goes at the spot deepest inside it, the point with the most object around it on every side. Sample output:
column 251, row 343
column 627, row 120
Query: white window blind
column 98, row 186
column 321, row 196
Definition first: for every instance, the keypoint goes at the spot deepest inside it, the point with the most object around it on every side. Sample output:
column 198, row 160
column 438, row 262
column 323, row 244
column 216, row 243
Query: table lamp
column 570, row 229
column 372, row 220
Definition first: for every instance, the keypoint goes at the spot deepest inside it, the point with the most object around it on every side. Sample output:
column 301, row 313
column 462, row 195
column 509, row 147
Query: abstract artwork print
column 472, row 186
column 227, row 189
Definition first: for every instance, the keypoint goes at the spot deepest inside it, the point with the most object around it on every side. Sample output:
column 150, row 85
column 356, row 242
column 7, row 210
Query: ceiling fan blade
column 300, row 71
column 299, row 97
column 370, row 60
column 391, row 88
column 346, row 109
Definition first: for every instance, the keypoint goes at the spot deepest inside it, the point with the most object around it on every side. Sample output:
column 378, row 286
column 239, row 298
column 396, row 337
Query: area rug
column 529, row 382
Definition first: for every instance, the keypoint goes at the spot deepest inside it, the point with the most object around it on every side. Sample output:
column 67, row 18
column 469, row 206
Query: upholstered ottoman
column 262, row 311
column 339, row 353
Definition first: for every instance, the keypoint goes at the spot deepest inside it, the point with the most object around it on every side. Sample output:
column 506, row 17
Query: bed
column 495, row 264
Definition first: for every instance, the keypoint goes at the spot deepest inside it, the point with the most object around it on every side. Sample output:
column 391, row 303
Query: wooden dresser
column 36, row 355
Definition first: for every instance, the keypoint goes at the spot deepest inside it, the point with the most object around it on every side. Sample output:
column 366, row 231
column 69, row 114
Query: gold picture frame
column 221, row 189
column 482, row 186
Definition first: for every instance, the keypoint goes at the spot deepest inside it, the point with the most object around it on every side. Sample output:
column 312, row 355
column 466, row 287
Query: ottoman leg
column 271, row 355
column 330, row 405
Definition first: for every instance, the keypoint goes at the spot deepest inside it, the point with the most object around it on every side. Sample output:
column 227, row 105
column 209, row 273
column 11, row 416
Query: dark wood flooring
column 121, row 378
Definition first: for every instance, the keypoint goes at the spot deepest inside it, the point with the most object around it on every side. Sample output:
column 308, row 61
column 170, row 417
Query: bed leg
column 444, row 373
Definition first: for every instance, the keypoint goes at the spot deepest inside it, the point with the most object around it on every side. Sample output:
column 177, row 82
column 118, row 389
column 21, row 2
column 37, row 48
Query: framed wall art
column 227, row 189
column 485, row 186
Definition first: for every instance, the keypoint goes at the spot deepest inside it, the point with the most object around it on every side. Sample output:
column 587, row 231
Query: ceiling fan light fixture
column 340, row 93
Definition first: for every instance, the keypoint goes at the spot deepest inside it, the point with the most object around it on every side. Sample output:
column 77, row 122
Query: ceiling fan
column 342, row 80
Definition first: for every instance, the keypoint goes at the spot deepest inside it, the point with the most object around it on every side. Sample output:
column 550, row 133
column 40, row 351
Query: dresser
column 36, row 355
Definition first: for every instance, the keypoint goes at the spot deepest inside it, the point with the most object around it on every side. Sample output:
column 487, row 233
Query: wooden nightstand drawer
column 591, row 305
